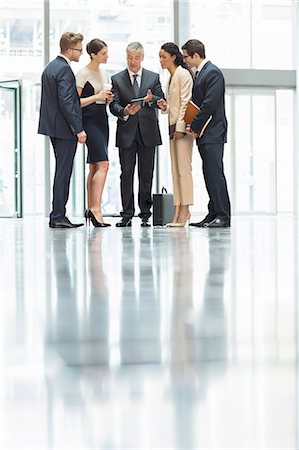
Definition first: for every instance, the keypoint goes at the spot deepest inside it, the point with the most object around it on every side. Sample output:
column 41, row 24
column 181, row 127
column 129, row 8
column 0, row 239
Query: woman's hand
column 178, row 135
column 104, row 95
column 162, row 104
column 109, row 97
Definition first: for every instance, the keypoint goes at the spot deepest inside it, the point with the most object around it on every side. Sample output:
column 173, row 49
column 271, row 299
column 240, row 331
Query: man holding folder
column 209, row 127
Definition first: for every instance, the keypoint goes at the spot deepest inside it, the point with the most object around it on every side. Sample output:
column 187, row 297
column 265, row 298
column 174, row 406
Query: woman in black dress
column 93, row 87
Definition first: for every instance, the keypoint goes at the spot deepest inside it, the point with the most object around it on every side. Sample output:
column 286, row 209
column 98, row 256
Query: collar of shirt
column 203, row 63
column 138, row 77
column 67, row 60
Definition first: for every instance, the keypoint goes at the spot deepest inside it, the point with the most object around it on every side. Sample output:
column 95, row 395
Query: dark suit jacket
column 146, row 118
column 60, row 110
column 208, row 94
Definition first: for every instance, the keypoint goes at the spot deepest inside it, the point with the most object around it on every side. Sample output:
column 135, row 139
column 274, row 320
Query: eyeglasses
column 78, row 49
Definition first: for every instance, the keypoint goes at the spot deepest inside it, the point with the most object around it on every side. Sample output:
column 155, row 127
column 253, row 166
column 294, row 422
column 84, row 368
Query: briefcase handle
column 164, row 190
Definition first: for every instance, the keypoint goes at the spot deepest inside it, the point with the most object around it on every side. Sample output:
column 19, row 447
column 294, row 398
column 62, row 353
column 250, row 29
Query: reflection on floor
column 149, row 338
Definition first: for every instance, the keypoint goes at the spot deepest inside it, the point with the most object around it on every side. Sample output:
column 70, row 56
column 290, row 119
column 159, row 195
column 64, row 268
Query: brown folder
column 191, row 111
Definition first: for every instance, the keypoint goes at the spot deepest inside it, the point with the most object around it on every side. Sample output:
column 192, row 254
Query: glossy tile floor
column 149, row 338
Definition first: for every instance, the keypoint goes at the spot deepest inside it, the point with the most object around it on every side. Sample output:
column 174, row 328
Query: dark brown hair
column 94, row 46
column 173, row 49
column 194, row 46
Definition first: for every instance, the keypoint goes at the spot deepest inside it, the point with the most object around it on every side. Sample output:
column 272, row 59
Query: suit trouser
column 181, row 166
column 212, row 164
column 146, row 158
column 64, row 151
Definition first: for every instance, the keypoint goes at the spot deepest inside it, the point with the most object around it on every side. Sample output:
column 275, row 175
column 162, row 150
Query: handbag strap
column 164, row 190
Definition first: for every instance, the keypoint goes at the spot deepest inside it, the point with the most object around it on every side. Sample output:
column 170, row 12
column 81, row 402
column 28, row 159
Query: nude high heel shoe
column 183, row 218
column 183, row 222
column 175, row 216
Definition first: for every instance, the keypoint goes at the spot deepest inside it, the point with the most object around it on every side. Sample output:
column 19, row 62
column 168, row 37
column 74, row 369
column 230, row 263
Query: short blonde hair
column 69, row 39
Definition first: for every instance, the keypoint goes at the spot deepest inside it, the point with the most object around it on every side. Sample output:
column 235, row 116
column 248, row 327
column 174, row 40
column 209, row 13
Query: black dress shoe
column 125, row 222
column 202, row 223
column 218, row 223
column 144, row 222
column 64, row 222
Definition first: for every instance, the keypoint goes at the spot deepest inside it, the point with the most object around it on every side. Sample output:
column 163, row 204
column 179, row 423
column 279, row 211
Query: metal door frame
column 16, row 87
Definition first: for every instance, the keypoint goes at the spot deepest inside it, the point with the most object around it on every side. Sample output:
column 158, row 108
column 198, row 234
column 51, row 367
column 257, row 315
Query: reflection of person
column 97, row 321
column 97, row 277
column 137, row 131
column 63, row 318
column 61, row 120
column 140, row 316
column 212, row 320
column 183, row 342
column 208, row 93
column 93, row 88
column 179, row 91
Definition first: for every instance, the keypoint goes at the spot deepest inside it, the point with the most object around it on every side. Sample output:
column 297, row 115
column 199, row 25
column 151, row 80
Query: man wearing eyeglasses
column 61, row 120
column 209, row 127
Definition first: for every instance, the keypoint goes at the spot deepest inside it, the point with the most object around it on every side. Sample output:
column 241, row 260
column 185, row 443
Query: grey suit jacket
column 60, row 110
column 146, row 118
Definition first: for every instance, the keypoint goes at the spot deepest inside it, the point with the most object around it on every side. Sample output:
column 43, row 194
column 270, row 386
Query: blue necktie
column 135, row 84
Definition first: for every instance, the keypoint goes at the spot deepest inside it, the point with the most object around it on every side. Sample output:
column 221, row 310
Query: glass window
column 273, row 27
column 255, row 34
column 21, row 38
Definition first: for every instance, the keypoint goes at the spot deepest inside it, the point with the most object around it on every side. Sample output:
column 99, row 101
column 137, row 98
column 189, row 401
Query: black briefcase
column 162, row 208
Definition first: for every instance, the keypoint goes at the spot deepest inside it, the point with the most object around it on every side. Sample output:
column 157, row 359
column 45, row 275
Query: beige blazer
column 178, row 93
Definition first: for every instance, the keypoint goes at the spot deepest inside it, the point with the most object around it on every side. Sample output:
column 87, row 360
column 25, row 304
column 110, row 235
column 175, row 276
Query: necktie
column 135, row 84
column 196, row 74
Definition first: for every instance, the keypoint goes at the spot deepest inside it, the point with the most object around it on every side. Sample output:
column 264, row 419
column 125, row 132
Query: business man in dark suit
column 137, row 132
column 61, row 120
column 208, row 93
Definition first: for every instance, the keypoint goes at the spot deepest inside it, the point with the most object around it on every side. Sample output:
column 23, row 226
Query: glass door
column 259, row 154
column 10, row 149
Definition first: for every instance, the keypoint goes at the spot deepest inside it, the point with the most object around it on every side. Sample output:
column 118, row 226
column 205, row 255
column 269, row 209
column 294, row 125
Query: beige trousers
column 181, row 166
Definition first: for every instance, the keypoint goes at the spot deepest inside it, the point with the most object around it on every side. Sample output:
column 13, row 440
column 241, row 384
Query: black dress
column 95, row 120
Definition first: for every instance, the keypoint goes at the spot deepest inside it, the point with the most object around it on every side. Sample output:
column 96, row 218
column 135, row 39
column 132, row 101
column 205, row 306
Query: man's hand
column 81, row 137
column 149, row 96
column 131, row 110
column 190, row 132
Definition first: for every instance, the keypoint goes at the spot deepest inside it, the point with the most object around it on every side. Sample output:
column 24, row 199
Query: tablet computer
column 139, row 100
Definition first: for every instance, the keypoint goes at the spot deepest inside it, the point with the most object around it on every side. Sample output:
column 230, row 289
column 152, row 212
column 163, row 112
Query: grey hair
column 133, row 46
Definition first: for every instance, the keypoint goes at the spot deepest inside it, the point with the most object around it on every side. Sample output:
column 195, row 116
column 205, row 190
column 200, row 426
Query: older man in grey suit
column 137, row 131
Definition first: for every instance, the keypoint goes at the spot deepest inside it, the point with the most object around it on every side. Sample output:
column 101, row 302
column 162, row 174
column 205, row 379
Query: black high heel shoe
column 87, row 218
column 94, row 220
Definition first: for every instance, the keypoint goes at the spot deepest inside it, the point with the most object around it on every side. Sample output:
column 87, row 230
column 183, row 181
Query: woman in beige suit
column 179, row 92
